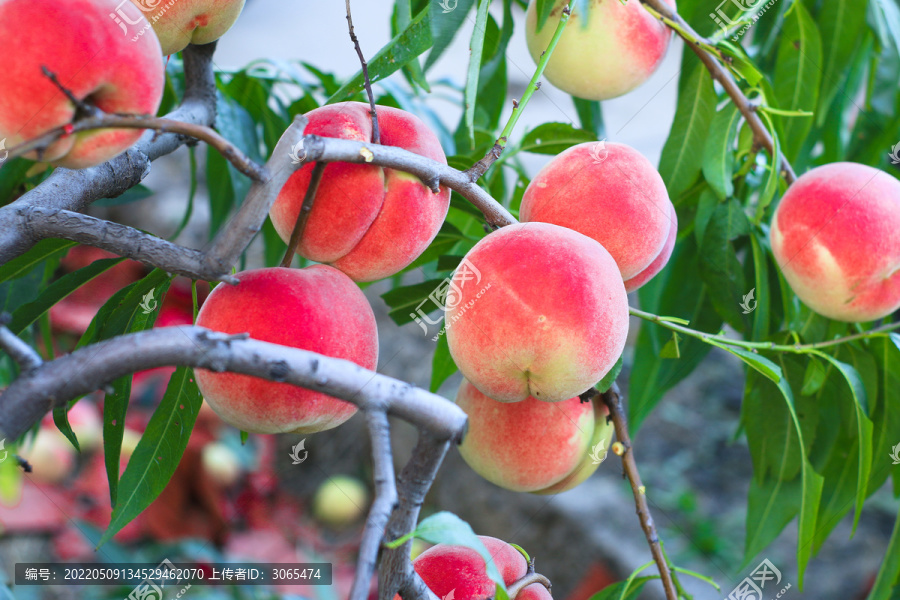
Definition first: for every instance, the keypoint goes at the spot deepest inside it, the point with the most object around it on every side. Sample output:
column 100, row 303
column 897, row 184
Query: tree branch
column 761, row 135
column 376, row 133
column 30, row 397
column 397, row 574
column 22, row 354
column 75, row 189
column 613, row 400
column 383, row 505
column 303, row 216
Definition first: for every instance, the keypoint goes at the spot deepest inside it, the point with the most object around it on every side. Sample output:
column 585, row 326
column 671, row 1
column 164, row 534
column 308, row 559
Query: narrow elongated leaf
column 442, row 365
column 409, row 302
column 885, row 407
column 159, row 451
column 590, row 115
column 720, row 267
column 841, row 23
column 476, row 49
column 447, row 17
column 762, row 364
column 888, row 579
column 543, row 9
column 682, row 155
column 615, row 590
column 25, row 263
column 718, row 155
column 27, row 314
column 798, row 72
column 403, row 48
column 553, row 138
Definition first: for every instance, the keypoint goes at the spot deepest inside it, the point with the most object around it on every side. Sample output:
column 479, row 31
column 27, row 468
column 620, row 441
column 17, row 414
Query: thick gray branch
column 21, row 353
column 384, row 504
column 397, row 574
column 75, row 189
column 90, row 368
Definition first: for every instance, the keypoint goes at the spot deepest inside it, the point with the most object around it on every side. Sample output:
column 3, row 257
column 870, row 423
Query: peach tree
column 769, row 229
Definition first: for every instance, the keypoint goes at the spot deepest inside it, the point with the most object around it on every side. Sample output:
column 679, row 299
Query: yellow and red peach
column 532, row 446
column 608, row 192
column 184, row 22
column 461, row 570
column 537, row 310
column 317, row 309
column 661, row 260
column 367, row 221
column 78, row 42
column 50, row 455
column 834, row 235
column 340, row 501
column 615, row 51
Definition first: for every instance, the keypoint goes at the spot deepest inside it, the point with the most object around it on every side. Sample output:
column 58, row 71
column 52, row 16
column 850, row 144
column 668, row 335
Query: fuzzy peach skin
column 546, row 316
column 528, row 446
column 318, row 309
column 609, row 192
column 446, row 568
column 661, row 260
column 613, row 53
column 835, row 237
column 367, row 221
column 79, row 42
column 178, row 23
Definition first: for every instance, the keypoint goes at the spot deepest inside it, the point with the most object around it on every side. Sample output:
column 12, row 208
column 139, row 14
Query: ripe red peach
column 79, row 42
column 662, row 258
column 615, row 51
column 184, row 22
column 609, row 192
column 461, row 570
column 318, row 309
column 536, row 310
column 532, row 446
column 367, row 221
column 834, row 236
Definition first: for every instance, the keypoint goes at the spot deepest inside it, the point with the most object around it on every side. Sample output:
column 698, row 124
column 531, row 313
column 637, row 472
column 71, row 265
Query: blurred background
column 230, row 501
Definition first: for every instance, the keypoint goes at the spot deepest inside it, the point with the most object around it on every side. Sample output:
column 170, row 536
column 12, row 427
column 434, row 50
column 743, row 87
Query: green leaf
column 553, row 138
column 841, row 24
column 476, row 49
column 761, row 315
column 616, row 591
column 23, row 264
column 610, row 377
column 814, row 377
column 442, row 365
column 27, row 314
column 718, row 154
column 543, row 9
column 158, row 453
column 762, row 364
column 682, row 155
column 885, row 409
column 888, row 579
column 404, row 47
column 865, row 428
column 445, row 25
column 406, row 301
column 590, row 115
column 720, row 267
column 672, row 348
column 138, row 192
column 773, row 175
column 446, row 528
column 797, row 75
column 12, row 175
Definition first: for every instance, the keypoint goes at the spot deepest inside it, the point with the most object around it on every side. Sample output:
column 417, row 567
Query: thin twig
column 480, row 168
column 82, row 109
column 698, row 44
column 613, row 400
column 303, row 215
column 101, row 120
column 530, row 578
column 376, row 134
column 22, row 354
column 383, row 505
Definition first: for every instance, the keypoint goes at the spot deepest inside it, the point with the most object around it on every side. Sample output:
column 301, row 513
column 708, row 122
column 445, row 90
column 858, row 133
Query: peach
column 615, row 51
column 318, row 309
column 340, row 501
column 537, row 310
column 608, row 192
column 661, row 260
column 221, row 463
column 458, row 570
column 79, row 42
column 834, row 236
column 530, row 446
column 178, row 23
column 50, row 455
column 367, row 221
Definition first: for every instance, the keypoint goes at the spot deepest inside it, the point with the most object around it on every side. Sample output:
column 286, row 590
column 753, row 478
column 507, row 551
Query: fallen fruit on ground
column 835, row 238
column 184, row 22
column 609, row 192
column 459, row 570
column 367, row 221
column 86, row 50
column 533, row 446
column 318, row 309
column 536, row 310
column 615, row 51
